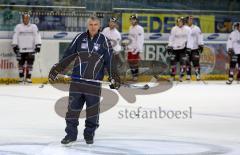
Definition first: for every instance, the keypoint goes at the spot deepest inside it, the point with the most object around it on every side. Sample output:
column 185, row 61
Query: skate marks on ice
column 116, row 147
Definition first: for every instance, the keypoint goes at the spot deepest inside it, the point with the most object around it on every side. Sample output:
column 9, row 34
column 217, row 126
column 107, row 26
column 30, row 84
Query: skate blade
column 89, row 145
column 69, row 144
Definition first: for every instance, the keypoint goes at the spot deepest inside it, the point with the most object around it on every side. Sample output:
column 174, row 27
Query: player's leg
column 189, row 65
column 133, row 61
column 196, row 63
column 30, row 61
column 238, row 62
column 75, row 105
column 117, row 59
column 182, row 59
column 233, row 62
column 92, row 118
column 173, row 65
column 21, row 68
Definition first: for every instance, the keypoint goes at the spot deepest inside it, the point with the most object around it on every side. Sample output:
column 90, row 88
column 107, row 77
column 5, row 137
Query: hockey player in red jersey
column 136, row 37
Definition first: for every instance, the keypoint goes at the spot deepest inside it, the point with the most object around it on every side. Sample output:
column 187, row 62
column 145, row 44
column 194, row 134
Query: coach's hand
column 115, row 81
column 55, row 70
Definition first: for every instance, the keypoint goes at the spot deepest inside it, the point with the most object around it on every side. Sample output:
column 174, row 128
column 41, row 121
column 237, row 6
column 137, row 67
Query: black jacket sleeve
column 70, row 53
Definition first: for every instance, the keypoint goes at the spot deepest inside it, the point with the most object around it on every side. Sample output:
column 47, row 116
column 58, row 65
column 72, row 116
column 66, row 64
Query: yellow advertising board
column 162, row 23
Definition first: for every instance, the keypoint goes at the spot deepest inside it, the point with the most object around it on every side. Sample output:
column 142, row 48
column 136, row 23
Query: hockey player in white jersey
column 26, row 42
column 114, row 36
column 233, row 48
column 136, row 37
column 194, row 48
column 177, row 48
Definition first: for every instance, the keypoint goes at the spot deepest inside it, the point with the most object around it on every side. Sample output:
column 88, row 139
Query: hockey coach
column 91, row 52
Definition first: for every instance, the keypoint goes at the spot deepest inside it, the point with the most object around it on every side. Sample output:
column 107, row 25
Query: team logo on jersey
column 84, row 45
column 96, row 46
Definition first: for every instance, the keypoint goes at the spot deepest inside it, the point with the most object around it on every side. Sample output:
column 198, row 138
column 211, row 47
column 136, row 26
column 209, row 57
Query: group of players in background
column 185, row 47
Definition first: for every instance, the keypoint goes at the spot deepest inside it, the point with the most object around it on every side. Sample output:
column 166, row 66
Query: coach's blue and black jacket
column 89, row 55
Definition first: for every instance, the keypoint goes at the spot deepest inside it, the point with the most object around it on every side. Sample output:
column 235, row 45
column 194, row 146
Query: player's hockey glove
column 55, row 70
column 230, row 52
column 17, row 52
column 37, row 48
column 16, row 49
column 169, row 50
column 200, row 49
column 115, row 81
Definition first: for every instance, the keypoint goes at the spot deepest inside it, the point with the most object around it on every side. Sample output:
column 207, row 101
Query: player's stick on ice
column 40, row 71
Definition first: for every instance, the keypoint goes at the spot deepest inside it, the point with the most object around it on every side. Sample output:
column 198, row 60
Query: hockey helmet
column 134, row 16
column 25, row 14
column 113, row 19
column 182, row 19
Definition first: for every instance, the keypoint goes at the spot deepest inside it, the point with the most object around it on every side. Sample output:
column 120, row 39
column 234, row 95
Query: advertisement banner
column 162, row 23
column 68, row 36
column 214, row 59
column 8, row 63
column 224, row 24
column 42, row 64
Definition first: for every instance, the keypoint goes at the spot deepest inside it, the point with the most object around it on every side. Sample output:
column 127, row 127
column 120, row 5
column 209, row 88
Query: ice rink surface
column 29, row 124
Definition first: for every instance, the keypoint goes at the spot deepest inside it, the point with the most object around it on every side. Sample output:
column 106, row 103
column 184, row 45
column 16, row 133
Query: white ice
column 29, row 124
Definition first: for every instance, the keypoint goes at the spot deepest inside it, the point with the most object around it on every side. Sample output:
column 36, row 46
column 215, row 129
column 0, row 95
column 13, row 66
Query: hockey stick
column 146, row 86
column 204, row 82
column 40, row 70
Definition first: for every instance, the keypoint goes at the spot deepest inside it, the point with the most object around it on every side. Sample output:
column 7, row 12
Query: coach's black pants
column 81, row 93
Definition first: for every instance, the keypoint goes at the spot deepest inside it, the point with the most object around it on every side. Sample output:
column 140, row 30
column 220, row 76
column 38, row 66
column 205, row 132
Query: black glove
column 37, row 48
column 169, row 50
column 230, row 52
column 115, row 81
column 200, row 49
column 16, row 49
column 55, row 70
